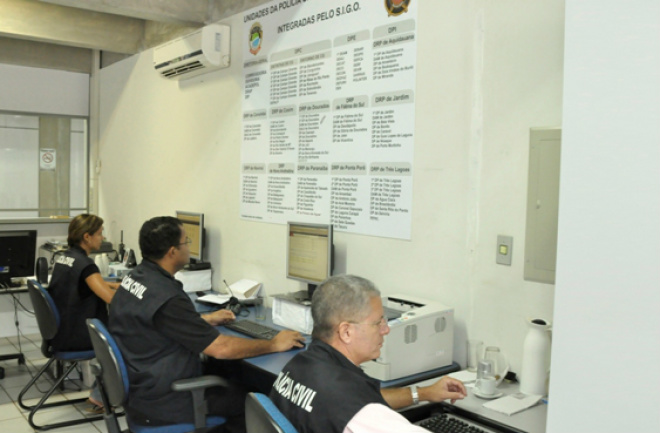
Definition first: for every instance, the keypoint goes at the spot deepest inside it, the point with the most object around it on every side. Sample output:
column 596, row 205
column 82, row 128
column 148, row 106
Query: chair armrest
column 197, row 385
column 200, row 382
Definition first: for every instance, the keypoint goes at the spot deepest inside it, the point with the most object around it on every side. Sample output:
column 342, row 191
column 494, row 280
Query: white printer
column 421, row 338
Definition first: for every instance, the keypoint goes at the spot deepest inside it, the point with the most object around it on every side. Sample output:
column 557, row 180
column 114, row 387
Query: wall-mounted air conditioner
column 200, row 52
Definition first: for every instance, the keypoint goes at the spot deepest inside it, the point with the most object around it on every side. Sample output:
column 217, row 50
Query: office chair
column 112, row 378
column 41, row 270
column 48, row 320
column 262, row 416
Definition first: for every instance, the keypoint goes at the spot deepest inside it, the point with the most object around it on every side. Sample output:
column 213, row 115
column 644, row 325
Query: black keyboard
column 450, row 423
column 253, row 329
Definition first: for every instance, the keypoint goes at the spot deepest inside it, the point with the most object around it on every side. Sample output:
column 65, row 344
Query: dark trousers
column 228, row 402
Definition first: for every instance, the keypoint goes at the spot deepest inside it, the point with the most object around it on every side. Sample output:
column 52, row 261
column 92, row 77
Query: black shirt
column 74, row 299
column 320, row 390
column 160, row 336
column 179, row 320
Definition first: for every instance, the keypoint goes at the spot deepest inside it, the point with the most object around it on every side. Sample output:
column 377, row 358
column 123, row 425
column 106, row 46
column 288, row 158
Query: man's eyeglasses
column 382, row 323
column 188, row 241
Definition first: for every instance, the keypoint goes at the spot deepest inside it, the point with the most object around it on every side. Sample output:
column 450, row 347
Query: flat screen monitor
column 17, row 254
column 309, row 253
column 193, row 224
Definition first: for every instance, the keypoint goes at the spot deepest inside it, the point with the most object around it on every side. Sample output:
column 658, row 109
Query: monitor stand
column 310, row 290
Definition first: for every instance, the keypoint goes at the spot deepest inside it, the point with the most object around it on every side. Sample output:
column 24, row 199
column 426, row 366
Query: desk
column 271, row 363
column 257, row 373
column 10, row 290
column 18, row 356
column 532, row 420
column 267, row 367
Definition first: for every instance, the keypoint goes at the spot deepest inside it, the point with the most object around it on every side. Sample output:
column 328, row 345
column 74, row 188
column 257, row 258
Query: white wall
column 606, row 355
column 487, row 72
column 43, row 91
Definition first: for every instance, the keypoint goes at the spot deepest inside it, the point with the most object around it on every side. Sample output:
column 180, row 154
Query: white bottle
column 98, row 260
column 536, row 358
column 105, row 265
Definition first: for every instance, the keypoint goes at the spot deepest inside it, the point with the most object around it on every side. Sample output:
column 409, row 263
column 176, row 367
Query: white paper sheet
column 513, row 403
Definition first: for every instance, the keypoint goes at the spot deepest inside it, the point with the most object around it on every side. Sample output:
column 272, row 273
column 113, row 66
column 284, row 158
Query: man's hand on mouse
column 286, row 340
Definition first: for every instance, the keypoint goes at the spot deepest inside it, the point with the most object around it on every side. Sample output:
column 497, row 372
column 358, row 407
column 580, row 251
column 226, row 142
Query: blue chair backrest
column 262, row 416
column 48, row 317
column 114, row 373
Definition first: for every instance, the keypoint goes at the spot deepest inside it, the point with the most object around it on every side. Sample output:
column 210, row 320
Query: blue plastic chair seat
column 74, row 356
column 211, row 421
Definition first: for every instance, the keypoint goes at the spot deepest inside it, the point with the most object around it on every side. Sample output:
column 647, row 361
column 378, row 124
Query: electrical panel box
column 542, row 205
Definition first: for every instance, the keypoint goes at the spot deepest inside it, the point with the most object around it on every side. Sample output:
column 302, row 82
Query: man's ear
column 170, row 252
column 345, row 331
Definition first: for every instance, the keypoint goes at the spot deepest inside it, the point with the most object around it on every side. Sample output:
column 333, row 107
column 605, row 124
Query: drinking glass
column 493, row 355
column 260, row 309
column 474, row 354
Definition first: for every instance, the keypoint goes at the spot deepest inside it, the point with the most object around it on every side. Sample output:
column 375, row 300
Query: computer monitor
column 309, row 253
column 193, row 223
column 17, row 255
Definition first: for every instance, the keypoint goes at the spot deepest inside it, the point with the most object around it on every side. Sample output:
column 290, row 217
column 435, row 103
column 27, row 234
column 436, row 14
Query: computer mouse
column 296, row 347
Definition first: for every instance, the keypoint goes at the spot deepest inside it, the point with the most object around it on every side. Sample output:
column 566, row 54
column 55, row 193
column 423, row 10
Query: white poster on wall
column 47, row 159
column 328, row 114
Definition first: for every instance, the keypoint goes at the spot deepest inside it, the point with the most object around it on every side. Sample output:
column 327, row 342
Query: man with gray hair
column 323, row 388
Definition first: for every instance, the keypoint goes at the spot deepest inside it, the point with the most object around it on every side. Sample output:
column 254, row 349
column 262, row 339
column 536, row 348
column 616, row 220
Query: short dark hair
column 158, row 235
column 81, row 224
column 338, row 299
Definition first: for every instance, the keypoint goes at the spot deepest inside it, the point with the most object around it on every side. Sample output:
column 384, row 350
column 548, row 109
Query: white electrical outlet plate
column 504, row 250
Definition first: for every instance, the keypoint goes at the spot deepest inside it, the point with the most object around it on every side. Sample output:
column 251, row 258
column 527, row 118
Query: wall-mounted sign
column 329, row 114
column 47, row 159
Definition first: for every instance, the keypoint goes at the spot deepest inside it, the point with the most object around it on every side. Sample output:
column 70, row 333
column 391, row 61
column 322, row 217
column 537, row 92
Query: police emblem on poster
column 256, row 36
column 397, row 7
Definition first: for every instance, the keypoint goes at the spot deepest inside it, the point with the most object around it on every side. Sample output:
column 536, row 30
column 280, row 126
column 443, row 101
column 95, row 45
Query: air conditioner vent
column 200, row 52
column 183, row 69
column 180, row 59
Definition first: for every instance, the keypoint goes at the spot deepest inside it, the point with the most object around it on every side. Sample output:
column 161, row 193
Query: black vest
column 153, row 361
column 320, row 390
column 75, row 301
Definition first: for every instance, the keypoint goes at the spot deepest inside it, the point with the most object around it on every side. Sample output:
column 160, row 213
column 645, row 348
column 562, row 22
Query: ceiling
column 64, row 34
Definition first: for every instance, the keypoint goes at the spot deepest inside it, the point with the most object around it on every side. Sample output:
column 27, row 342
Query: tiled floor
column 13, row 419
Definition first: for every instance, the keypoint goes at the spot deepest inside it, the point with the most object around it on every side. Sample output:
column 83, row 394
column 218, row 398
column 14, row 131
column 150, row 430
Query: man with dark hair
column 161, row 336
column 323, row 390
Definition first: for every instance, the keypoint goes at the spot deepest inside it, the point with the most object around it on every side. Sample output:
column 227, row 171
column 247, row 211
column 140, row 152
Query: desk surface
column 532, row 420
column 273, row 363
column 10, row 290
